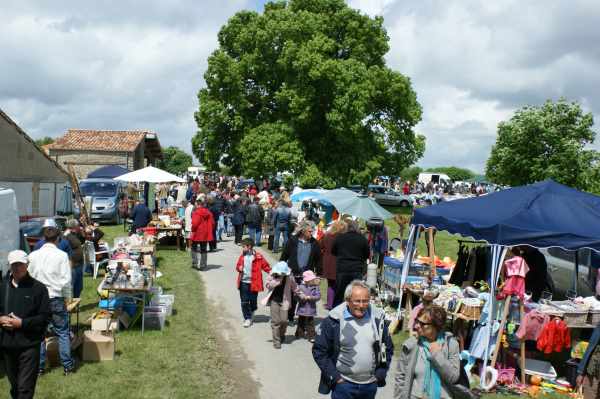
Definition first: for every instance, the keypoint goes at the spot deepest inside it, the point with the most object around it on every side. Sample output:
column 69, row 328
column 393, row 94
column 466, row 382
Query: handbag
column 461, row 389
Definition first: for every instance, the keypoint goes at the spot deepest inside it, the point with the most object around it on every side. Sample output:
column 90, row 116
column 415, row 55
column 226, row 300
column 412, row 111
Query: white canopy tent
column 150, row 174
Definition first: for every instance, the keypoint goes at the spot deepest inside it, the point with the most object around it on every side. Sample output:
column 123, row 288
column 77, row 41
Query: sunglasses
column 422, row 323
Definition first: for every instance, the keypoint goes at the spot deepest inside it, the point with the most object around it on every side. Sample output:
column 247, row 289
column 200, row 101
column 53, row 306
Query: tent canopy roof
column 543, row 214
column 108, row 172
column 150, row 174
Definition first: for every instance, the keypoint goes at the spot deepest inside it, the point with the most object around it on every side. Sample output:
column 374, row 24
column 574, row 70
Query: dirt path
column 287, row 373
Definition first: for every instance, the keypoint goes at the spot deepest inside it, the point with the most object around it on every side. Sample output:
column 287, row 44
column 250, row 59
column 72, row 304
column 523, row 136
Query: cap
column 281, row 267
column 308, row 276
column 50, row 223
column 17, row 256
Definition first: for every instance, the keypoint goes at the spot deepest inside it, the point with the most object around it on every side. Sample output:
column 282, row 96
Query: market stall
column 541, row 215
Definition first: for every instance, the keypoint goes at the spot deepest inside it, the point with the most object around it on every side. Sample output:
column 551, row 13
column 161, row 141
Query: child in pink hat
column 309, row 293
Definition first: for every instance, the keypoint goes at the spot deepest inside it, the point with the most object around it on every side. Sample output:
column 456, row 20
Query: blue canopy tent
column 544, row 214
column 108, row 172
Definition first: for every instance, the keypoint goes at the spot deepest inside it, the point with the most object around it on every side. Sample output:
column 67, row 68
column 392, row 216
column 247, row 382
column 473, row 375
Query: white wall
column 39, row 199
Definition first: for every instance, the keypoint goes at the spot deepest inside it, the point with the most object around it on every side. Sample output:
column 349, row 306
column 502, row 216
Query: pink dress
column 515, row 270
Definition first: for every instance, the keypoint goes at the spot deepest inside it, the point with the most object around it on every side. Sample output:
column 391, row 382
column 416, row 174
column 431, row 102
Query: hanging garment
column 555, row 337
column 515, row 270
column 533, row 325
column 458, row 273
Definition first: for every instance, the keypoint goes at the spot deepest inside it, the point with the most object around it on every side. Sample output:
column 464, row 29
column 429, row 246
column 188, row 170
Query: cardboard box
column 97, row 346
column 105, row 323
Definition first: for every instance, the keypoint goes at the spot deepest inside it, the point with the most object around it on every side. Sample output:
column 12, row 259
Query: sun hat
column 281, row 267
column 17, row 256
column 308, row 276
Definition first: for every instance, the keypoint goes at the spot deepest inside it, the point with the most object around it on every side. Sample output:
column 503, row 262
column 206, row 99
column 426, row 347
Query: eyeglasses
column 361, row 301
column 422, row 323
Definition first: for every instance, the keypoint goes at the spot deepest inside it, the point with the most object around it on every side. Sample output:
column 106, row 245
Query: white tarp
column 9, row 226
column 150, row 174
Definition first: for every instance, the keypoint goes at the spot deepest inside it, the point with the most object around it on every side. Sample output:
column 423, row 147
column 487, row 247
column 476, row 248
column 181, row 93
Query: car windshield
column 98, row 189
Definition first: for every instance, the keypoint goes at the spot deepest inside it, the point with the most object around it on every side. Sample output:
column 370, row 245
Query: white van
column 433, row 177
column 9, row 226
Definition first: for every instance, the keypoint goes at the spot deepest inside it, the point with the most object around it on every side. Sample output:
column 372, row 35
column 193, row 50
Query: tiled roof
column 99, row 140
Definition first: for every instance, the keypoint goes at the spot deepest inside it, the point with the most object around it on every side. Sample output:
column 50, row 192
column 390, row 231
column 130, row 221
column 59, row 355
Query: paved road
column 287, row 373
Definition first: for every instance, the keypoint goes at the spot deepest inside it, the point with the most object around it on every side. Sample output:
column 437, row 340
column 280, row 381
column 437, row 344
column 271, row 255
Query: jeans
column 59, row 322
column 350, row 390
column 220, row 227
column 239, row 232
column 248, row 300
column 21, row 367
column 278, row 322
column 254, row 233
column 77, row 280
column 280, row 230
column 199, row 254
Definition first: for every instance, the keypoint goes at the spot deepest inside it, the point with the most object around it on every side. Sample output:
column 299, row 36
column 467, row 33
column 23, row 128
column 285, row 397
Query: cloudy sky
column 138, row 65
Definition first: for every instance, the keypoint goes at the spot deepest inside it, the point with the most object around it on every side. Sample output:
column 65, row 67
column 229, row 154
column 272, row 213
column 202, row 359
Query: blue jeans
column 254, row 233
column 280, row 230
column 59, row 322
column 77, row 280
column 220, row 227
column 350, row 390
column 248, row 300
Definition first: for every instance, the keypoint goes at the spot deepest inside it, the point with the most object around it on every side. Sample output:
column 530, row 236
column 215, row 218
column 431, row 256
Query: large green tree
column 175, row 160
column 548, row 141
column 314, row 71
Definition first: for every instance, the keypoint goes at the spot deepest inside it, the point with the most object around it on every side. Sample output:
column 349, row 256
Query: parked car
column 105, row 194
column 386, row 196
column 31, row 229
column 561, row 268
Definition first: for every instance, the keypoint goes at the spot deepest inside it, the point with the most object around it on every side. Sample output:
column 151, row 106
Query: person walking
column 281, row 224
column 202, row 233
column 187, row 218
column 50, row 266
column 353, row 347
column 329, row 260
column 254, row 218
column 281, row 288
column 351, row 250
column 301, row 253
column 24, row 312
column 429, row 364
column 214, row 208
column 309, row 293
column 250, row 266
column 238, row 209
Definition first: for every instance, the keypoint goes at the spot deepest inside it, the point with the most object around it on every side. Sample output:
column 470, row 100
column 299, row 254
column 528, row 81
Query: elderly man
column 140, row 215
column 24, row 315
column 63, row 244
column 51, row 267
column 302, row 253
column 353, row 347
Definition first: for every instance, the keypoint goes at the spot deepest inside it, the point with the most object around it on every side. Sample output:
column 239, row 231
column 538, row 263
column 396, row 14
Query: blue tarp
column 543, row 214
column 108, row 172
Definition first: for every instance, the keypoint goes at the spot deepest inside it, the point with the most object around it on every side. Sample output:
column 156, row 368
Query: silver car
column 385, row 196
column 561, row 268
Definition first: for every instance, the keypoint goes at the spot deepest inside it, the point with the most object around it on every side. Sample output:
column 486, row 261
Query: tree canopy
column 44, row 141
column 175, row 160
column 547, row 141
column 455, row 173
column 313, row 74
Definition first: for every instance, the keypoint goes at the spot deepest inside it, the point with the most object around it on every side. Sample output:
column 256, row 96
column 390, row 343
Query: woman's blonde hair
column 338, row 227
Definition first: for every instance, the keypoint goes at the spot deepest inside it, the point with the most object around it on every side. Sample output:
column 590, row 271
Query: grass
column 183, row 361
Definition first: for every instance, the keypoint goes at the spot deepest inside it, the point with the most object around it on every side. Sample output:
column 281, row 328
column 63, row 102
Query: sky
column 122, row 66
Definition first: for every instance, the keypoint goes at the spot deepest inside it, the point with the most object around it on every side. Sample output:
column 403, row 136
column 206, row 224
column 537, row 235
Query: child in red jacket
column 250, row 266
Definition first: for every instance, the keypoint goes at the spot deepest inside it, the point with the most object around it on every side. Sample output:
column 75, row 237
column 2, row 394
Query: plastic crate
column 154, row 318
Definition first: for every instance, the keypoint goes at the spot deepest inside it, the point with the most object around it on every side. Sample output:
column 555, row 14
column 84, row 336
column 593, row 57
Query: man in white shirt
column 50, row 266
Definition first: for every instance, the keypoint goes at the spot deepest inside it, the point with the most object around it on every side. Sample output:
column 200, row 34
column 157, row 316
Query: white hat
column 17, row 256
column 50, row 223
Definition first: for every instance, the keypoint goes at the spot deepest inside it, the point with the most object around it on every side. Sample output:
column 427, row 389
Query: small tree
column 175, row 160
column 44, row 141
column 544, row 142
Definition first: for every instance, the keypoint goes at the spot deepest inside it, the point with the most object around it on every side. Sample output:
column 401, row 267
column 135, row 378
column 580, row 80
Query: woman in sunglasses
column 429, row 364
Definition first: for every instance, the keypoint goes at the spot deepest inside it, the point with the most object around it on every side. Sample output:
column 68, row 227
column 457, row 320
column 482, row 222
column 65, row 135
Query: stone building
column 88, row 150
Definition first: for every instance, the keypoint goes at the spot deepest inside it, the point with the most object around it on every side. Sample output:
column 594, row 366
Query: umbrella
column 359, row 206
column 150, row 174
column 302, row 195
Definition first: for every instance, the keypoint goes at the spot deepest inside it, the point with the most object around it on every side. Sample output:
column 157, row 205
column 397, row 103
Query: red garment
column 514, row 285
column 555, row 337
column 252, row 191
column 203, row 225
column 406, row 189
column 259, row 264
column 533, row 325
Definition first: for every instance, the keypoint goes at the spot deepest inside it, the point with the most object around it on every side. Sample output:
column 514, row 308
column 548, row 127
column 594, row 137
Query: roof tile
column 99, row 140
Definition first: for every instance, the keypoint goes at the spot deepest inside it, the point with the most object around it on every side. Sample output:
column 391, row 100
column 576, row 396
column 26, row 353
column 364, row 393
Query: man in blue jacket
column 141, row 216
column 353, row 347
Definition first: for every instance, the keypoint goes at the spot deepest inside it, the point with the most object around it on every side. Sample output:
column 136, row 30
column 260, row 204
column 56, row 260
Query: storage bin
column 154, row 318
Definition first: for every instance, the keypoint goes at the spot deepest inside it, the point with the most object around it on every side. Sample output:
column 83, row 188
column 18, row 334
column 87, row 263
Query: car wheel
column 404, row 204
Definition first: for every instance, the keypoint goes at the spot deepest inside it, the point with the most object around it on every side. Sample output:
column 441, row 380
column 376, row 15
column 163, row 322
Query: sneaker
column 69, row 371
column 247, row 323
column 276, row 345
column 41, row 372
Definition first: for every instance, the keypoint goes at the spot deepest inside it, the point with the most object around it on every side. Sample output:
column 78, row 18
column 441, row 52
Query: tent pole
column 576, row 275
column 431, row 254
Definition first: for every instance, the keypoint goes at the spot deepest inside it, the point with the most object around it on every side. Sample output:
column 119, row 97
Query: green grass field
column 183, row 361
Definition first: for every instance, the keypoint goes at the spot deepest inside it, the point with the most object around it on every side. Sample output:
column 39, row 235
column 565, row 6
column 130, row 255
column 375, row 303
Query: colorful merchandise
column 555, row 337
